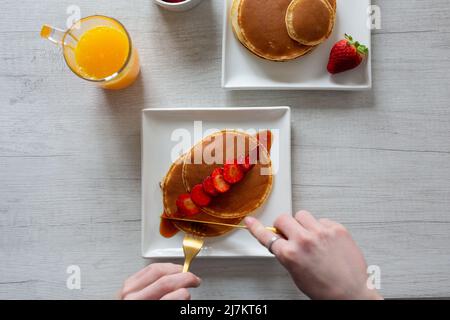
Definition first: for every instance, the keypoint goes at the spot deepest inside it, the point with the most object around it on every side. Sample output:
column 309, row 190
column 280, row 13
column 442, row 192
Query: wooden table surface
column 378, row 161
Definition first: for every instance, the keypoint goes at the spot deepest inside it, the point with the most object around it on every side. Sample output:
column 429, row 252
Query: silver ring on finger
column 271, row 242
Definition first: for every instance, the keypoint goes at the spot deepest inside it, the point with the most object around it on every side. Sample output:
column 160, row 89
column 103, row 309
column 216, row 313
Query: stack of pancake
column 230, row 207
column 282, row 30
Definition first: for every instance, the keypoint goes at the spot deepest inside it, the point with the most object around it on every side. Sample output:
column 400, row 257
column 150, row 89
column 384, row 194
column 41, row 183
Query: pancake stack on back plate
column 231, row 207
column 282, row 30
column 261, row 28
column 310, row 22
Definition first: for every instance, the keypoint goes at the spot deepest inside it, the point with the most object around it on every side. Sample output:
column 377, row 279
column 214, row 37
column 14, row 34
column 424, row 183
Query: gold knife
column 273, row 229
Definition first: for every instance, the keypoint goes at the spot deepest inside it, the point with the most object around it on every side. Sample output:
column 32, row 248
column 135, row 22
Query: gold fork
column 191, row 246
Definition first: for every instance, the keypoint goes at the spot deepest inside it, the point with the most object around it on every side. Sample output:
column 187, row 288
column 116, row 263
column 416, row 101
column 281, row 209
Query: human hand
column 159, row 281
column 320, row 255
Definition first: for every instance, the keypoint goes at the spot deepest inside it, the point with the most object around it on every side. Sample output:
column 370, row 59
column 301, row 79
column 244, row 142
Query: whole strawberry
column 345, row 55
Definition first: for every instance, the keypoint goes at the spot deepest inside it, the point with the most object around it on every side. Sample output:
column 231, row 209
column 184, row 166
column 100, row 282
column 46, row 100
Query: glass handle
column 55, row 35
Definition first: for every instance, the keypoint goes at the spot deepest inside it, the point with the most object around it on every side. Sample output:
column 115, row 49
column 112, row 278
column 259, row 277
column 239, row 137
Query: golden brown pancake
column 245, row 196
column 333, row 4
column 310, row 22
column 172, row 187
column 260, row 26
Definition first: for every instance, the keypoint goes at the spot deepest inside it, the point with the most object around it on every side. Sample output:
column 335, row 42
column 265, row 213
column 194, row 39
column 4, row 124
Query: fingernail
column 249, row 220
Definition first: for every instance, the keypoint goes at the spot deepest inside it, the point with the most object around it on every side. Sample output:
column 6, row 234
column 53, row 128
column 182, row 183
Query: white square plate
column 157, row 144
column 242, row 70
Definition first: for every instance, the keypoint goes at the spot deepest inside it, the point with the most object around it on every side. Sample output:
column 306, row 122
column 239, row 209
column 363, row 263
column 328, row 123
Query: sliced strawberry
column 186, row 205
column 219, row 182
column 216, row 172
column 208, row 186
column 244, row 163
column 199, row 196
column 232, row 173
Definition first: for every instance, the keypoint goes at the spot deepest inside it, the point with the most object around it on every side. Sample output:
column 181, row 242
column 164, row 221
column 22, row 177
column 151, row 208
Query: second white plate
column 242, row 70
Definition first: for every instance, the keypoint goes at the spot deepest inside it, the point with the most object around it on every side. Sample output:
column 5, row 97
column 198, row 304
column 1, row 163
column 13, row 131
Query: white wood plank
column 378, row 161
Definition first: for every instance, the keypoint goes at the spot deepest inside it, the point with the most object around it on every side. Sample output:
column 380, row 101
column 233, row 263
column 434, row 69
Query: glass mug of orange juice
column 98, row 49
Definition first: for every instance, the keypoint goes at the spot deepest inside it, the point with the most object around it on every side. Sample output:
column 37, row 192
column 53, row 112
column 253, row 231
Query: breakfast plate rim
column 146, row 251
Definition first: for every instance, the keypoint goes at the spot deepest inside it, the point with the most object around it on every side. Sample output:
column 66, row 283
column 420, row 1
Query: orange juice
column 102, row 52
column 98, row 49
